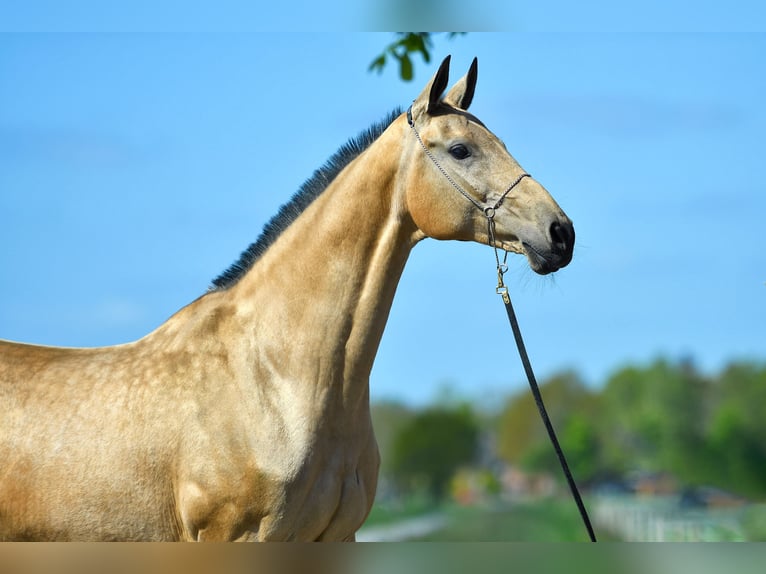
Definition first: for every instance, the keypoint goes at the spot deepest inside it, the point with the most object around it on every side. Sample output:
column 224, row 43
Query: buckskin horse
column 245, row 416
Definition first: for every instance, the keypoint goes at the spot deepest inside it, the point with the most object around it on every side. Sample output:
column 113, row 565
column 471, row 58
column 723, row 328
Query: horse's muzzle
column 559, row 251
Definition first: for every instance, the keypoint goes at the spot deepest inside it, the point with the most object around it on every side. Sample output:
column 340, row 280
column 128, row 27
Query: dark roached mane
column 308, row 192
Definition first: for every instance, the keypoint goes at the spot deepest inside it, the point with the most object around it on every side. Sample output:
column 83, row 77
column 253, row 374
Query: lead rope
column 502, row 290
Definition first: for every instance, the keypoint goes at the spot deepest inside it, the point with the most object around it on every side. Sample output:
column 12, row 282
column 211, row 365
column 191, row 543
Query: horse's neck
column 312, row 310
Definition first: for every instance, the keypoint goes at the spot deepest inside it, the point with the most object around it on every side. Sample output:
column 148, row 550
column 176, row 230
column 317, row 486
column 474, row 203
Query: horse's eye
column 459, row 151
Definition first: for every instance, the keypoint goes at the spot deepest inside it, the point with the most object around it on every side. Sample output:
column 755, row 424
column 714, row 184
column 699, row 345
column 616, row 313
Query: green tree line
column 662, row 417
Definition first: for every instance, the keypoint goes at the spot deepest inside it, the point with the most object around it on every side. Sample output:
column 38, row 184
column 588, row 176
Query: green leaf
column 405, row 45
column 405, row 67
column 378, row 63
column 417, row 43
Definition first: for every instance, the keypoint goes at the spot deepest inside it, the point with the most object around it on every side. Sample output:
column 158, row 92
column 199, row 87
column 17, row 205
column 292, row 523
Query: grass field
column 557, row 520
column 387, row 513
column 547, row 520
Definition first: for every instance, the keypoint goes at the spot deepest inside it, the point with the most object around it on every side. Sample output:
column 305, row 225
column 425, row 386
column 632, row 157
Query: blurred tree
column 581, row 443
column 572, row 408
column 664, row 416
column 737, row 430
column 654, row 419
column 404, row 48
column 388, row 419
column 518, row 427
column 428, row 450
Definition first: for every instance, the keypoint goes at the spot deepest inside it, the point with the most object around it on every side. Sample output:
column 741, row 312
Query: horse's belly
column 50, row 518
column 58, row 498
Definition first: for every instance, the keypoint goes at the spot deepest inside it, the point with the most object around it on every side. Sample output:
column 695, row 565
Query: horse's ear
column 430, row 98
column 461, row 94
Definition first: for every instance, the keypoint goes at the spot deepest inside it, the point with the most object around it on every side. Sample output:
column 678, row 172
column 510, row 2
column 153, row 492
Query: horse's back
column 17, row 359
column 43, row 382
column 23, row 365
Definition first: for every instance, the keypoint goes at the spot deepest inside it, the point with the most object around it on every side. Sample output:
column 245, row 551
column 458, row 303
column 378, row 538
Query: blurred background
column 134, row 168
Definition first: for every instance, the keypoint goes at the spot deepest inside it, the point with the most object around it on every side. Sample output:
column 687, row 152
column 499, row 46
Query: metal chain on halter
column 502, row 290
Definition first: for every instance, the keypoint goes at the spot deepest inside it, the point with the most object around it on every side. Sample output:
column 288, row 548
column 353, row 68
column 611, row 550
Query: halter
column 489, row 211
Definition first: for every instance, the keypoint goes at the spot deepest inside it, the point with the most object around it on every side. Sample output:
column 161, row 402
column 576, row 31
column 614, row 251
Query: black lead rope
column 544, row 415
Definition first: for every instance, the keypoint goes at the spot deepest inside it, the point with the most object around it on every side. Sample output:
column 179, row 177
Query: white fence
column 661, row 519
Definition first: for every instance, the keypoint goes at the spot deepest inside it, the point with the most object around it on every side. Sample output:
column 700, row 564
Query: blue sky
column 134, row 168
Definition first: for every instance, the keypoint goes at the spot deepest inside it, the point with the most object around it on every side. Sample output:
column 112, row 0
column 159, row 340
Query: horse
column 245, row 416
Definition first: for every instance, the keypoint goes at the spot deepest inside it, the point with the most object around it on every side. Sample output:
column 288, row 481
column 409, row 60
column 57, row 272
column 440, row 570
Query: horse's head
column 462, row 176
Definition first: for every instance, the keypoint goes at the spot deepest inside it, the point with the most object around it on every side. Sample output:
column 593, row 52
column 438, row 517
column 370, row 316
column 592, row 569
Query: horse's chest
column 322, row 491
column 330, row 497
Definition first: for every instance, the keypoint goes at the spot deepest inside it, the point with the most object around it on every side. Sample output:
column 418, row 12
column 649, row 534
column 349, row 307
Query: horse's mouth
column 540, row 261
column 542, row 264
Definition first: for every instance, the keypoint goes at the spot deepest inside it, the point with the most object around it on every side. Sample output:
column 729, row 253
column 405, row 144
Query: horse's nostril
column 562, row 235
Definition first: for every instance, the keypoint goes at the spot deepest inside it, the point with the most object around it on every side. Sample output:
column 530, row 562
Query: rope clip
column 501, row 289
